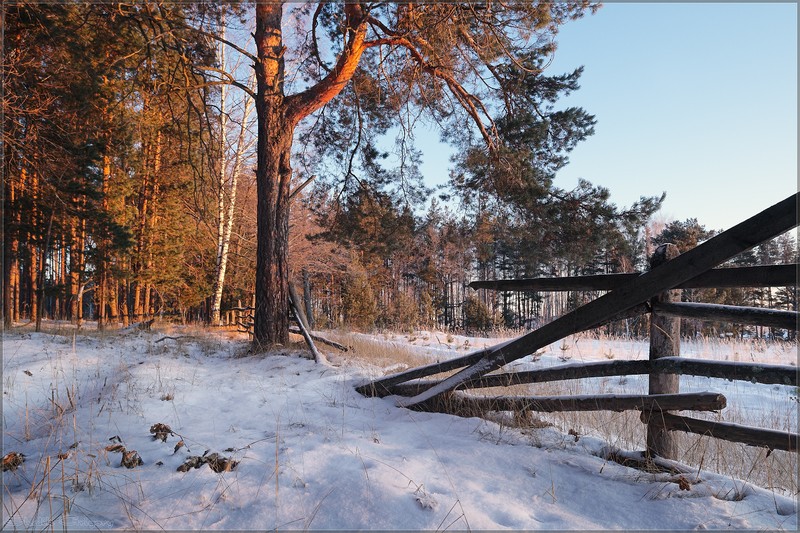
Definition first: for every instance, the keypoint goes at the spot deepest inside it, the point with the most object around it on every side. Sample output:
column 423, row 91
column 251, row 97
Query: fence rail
column 758, row 276
column 752, row 372
column 631, row 294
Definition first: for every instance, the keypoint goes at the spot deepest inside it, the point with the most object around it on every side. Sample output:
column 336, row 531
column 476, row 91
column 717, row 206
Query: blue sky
column 698, row 100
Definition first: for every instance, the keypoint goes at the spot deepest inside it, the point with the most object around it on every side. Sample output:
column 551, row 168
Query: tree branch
column 471, row 104
column 302, row 104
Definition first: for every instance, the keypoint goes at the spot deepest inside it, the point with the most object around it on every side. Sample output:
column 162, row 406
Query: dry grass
column 777, row 470
column 389, row 356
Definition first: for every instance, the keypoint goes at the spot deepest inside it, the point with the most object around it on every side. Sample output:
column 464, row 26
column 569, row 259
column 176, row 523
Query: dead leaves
column 130, row 458
column 195, row 461
column 219, row 463
column 683, row 483
column 215, row 461
column 178, row 447
column 12, row 460
column 161, row 431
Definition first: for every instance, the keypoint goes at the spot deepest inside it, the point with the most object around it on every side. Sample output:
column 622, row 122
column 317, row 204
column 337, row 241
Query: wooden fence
column 630, row 295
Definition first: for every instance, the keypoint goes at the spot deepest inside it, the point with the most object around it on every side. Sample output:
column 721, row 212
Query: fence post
column 665, row 341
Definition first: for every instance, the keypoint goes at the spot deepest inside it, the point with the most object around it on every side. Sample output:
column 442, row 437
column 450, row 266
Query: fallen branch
column 323, row 340
column 318, row 356
column 171, row 338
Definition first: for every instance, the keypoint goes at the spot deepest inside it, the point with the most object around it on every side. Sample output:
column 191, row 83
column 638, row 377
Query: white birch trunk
column 223, row 151
column 226, row 213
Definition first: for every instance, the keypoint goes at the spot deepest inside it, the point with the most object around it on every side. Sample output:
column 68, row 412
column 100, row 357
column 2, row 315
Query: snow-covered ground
column 312, row 453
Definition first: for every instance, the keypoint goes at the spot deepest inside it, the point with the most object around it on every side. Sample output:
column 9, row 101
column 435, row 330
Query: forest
column 133, row 135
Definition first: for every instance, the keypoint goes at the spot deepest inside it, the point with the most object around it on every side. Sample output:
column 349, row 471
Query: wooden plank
column 317, row 338
column 756, row 316
column 701, row 401
column 766, row 438
column 543, row 375
column 730, row 370
column 383, row 387
column 319, row 357
column 599, row 282
column 299, row 312
column 755, row 276
column 771, row 222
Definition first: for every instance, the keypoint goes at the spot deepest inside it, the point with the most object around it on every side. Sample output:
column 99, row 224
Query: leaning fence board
column 701, row 401
column 769, row 438
column 317, row 338
column 563, row 372
column 756, row 316
column 771, row 222
column 544, row 375
column 756, row 276
column 383, row 387
column 598, row 282
column 319, row 357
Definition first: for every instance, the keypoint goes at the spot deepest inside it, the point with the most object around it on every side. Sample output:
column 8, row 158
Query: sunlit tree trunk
column 273, row 176
column 277, row 117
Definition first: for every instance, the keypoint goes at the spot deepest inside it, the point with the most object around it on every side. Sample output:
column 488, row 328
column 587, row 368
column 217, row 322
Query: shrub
column 359, row 304
column 477, row 316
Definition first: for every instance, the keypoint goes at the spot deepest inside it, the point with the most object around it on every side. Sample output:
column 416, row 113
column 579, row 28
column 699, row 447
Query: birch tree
column 228, row 179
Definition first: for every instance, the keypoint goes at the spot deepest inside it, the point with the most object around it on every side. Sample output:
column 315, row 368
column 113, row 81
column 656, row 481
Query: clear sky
column 698, row 100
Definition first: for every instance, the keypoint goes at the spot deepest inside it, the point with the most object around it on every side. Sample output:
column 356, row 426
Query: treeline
column 405, row 272
column 129, row 193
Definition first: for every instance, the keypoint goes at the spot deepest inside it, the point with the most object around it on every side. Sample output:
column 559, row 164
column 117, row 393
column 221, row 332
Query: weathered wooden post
column 665, row 341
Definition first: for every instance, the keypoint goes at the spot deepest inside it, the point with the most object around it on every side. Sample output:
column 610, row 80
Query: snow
column 312, row 452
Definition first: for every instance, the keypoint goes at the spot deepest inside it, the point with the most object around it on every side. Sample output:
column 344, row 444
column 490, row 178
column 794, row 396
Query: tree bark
column 273, row 176
column 307, row 299
column 219, row 279
column 10, row 253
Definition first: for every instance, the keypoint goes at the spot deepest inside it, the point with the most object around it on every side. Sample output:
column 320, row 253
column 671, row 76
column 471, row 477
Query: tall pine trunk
column 277, row 117
column 11, row 226
column 273, row 176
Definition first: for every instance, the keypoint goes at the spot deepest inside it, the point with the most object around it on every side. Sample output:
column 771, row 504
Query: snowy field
column 298, row 448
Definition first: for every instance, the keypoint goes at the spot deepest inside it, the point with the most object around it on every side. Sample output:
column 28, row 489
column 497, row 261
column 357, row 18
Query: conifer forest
column 174, row 160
